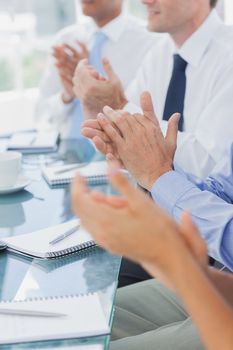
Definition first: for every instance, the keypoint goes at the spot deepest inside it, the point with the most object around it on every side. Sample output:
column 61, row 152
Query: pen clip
column 64, row 235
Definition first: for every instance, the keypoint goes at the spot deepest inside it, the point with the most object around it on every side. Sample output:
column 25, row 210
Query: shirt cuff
column 169, row 188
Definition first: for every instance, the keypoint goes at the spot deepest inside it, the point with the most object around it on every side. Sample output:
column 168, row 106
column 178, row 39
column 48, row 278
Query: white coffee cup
column 10, row 166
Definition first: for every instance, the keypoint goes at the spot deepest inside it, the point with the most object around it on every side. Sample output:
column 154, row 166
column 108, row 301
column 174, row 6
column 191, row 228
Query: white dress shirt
column 208, row 105
column 127, row 44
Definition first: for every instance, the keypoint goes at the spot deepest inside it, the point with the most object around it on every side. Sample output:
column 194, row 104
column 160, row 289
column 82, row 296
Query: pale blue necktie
column 95, row 60
column 95, row 57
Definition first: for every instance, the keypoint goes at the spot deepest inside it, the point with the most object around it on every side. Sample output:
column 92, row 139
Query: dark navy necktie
column 176, row 91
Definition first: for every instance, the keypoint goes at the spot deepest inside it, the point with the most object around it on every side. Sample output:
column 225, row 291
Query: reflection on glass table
column 15, row 208
column 69, row 152
column 40, row 207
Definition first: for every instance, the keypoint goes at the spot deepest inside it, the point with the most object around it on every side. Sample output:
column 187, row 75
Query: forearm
column 220, row 181
column 212, row 315
column 211, row 214
column 223, row 281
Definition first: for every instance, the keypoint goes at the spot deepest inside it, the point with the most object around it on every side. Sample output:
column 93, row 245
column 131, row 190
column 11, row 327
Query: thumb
column 82, row 64
column 172, row 131
column 109, row 70
column 188, row 227
column 110, row 158
column 147, row 106
column 192, row 238
column 83, row 48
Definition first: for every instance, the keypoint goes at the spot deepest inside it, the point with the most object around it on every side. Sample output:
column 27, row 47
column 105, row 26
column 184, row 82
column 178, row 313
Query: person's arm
column 206, row 304
column 220, row 181
column 172, row 191
column 223, row 281
column 212, row 215
column 131, row 225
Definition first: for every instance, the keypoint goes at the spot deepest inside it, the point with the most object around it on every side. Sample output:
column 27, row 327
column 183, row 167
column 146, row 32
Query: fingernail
column 108, row 109
column 101, row 116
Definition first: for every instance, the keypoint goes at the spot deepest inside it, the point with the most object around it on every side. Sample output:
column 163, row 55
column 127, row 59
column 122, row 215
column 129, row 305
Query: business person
column 169, row 186
column 190, row 71
column 148, row 315
column 108, row 32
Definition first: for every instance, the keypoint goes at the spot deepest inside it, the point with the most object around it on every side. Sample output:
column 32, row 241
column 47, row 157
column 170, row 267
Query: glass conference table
column 38, row 207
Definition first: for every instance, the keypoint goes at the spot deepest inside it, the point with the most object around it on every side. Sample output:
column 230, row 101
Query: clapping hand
column 66, row 60
column 133, row 226
column 136, row 139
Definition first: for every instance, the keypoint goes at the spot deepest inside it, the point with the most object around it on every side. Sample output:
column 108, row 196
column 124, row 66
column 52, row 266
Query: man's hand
column 95, row 91
column 141, row 133
column 137, row 141
column 67, row 59
column 91, row 129
column 133, row 226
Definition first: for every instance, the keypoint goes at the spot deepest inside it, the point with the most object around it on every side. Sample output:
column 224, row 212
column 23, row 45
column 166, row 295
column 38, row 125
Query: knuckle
column 119, row 118
column 125, row 114
column 154, row 130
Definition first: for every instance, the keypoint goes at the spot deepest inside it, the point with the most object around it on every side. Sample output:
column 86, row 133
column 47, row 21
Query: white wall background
column 17, row 106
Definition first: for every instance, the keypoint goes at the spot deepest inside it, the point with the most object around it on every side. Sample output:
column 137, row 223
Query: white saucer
column 23, row 181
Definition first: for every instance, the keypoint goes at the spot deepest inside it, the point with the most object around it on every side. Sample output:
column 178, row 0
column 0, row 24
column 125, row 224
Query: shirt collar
column 195, row 47
column 115, row 28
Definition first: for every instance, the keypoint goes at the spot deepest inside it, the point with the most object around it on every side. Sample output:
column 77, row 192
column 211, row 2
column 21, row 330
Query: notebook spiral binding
column 70, row 250
column 91, row 180
column 53, row 264
column 55, row 297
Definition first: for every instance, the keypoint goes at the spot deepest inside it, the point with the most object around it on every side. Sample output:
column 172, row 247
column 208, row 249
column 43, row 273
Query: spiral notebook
column 95, row 173
column 37, row 244
column 79, row 316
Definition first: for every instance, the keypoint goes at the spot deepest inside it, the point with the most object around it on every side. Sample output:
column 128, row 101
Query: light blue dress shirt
column 209, row 202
